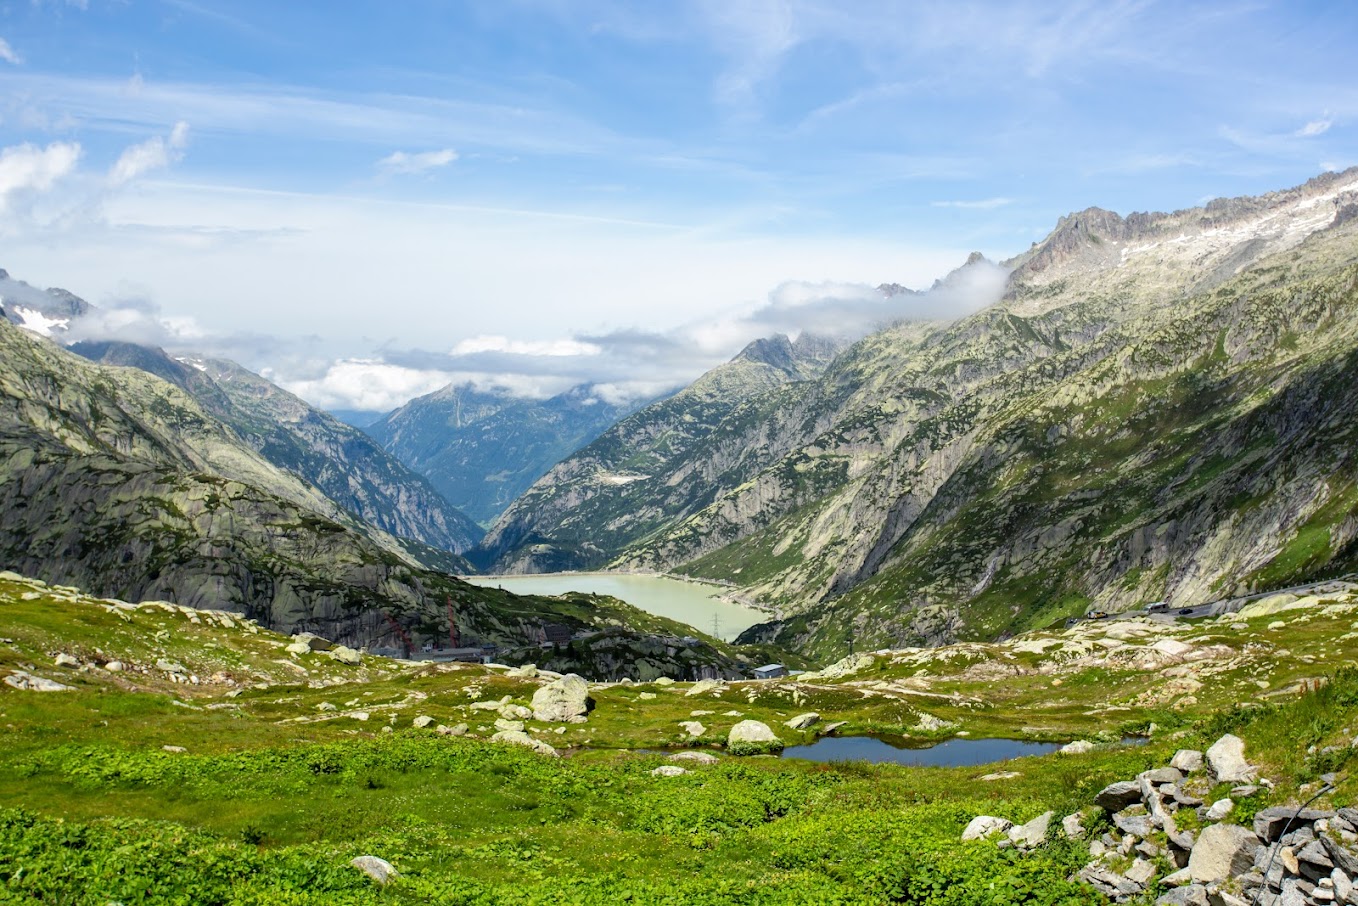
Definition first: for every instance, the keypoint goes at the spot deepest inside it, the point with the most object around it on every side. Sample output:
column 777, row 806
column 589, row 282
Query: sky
column 365, row 201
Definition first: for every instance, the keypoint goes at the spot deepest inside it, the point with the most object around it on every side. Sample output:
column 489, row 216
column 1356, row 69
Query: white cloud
column 984, row 204
column 402, row 163
column 365, row 384
column 1315, row 127
column 27, row 167
column 486, row 343
column 152, row 154
column 8, row 54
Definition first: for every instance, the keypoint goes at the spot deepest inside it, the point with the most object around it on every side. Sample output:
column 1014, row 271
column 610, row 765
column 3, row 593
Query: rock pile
column 1289, row 856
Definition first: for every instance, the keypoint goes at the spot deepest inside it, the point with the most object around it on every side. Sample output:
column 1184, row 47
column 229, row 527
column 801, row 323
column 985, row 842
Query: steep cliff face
column 663, row 462
column 342, row 462
column 928, row 485
column 481, row 450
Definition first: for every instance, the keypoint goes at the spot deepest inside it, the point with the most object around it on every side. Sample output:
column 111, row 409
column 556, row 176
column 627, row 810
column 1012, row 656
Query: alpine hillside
column 1157, row 409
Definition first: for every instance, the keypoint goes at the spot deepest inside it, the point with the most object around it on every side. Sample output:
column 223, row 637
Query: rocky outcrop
column 1306, row 857
column 565, row 699
column 752, row 737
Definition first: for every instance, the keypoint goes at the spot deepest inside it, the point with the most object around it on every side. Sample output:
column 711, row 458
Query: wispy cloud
column 983, row 204
column 28, row 168
column 405, row 163
column 8, row 54
column 153, row 154
column 1315, row 127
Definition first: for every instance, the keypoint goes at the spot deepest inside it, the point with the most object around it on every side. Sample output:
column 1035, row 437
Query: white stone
column 1222, row 851
column 752, row 733
column 1187, row 760
column 669, row 770
column 693, row 728
column 562, row 699
column 380, row 870
column 519, row 738
column 983, row 826
column 27, row 681
column 424, row 720
column 1226, row 758
column 345, row 655
column 1078, row 747
column 1219, row 810
column 803, row 721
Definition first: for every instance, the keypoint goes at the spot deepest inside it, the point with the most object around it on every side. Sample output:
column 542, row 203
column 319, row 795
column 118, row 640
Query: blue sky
column 369, row 199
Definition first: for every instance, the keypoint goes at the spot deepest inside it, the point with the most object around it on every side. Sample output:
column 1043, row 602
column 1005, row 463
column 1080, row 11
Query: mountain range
column 1157, row 409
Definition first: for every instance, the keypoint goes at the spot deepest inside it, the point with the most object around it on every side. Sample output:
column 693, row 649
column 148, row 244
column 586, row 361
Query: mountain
column 655, row 466
column 342, row 461
column 47, row 312
column 1157, row 409
column 120, row 483
column 481, row 450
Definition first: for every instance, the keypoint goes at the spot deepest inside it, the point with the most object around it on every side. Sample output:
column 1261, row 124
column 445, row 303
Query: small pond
column 958, row 752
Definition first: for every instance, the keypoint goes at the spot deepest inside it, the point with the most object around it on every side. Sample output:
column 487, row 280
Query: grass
column 274, row 796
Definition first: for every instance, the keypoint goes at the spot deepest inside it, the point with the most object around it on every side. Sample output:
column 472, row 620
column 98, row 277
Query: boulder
column 65, row 660
column 327, row 706
column 424, row 720
column 1270, row 822
column 1344, row 857
column 174, row 750
column 803, row 721
column 1223, row 851
column 1032, row 834
column 1136, row 825
column 510, row 725
column 752, row 737
column 695, row 757
column 983, row 826
column 1192, row 895
column 312, row 641
column 692, row 727
column 1141, row 872
column 646, row 696
column 459, row 730
column 1226, row 758
column 380, row 870
column 298, row 647
column 1161, row 775
column 1109, row 882
column 1073, row 827
column 702, row 687
column 520, row 738
column 846, row 667
column 562, row 699
column 663, row 681
column 1117, row 796
column 1078, row 747
column 516, row 712
column 343, row 654
column 668, row 770
column 27, row 681
column 1187, row 760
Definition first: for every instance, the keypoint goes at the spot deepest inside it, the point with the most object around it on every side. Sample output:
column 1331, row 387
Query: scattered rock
column 326, row 706
column 663, row 681
column 424, row 720
column 1000, row 775
column 562, row 699
column 115, row 667
column 646, row 696
column 695, row 757
column 27, row 681
column 345, row 655
column 1073, row 827
column 516, row 712
column 802, row 721
column 704, row 686
column 519, row 738
column 458, row 730
column 168, row 666
column 509, row 725
column 1226, row 758
column 298, row 647
column 752, row 737
column 380, row 870
column 669, row 770
column 1219, row 810
column 983, row 826
column 174, row 750
column 65, row 660
column 693, row 728
column 1269, row 822
column 1117, row 796
column 358, row 715
column 1078, row 747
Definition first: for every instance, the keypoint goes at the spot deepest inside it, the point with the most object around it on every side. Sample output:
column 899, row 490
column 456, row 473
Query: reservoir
column 950, row 754
column 692, row 603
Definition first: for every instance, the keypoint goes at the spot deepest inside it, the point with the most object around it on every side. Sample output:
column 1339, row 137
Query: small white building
column 770, row 671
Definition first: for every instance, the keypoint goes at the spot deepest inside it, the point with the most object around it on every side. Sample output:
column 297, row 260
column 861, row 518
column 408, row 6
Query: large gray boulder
column 1187, row 760
column 1226, row 758
column 1117, row 796
column 1222, row 851
column 983, row 826
column 1032, row 834
column 520, row 738
column 20, row 679
column 345, row 655
column 562, row 699
column 803, row 721
column 1270, row 822
column 380, row 870
column 752, row 737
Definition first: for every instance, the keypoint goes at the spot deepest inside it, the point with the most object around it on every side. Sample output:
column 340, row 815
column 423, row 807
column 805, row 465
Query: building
column 770, row 671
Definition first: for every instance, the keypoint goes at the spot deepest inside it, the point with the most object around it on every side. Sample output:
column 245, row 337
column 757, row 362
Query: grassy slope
column 274, row 796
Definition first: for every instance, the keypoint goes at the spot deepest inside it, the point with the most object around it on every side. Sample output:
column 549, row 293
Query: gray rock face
column 1269, row 823
column 983, row 826
column 1222, row 851
column 562, row 699
column 345, row 655
column 803, row 721
column 1187, row 760
column 380, row 870
column 1226, row 758
column 1192, row 895
column 751, row 737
